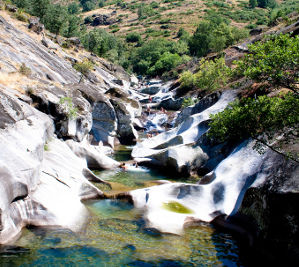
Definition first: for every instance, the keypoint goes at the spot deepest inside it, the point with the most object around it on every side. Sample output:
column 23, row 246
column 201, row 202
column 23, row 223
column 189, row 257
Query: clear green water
column 115, row 235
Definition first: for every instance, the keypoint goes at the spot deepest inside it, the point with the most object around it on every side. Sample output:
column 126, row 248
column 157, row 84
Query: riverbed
column 115, row 235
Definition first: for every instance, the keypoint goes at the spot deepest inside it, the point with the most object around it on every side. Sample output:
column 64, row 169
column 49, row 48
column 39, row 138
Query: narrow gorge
column 104, row 168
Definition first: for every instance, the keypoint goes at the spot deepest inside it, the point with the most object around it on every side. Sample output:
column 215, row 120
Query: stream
column 115, row 235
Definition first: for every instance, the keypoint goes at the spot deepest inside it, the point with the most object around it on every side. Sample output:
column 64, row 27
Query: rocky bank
column 56, row 125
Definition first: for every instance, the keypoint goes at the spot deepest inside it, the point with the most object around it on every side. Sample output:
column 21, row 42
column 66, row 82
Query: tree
column 56, row 19
column 211, row 75
column 199, row 43
column 213, row 36
column 40, row 7
column 73, row 8
column 166, row 62
column 133, row 37
column 253, row 3
column 25, row 4
column 275, row 61
column 259, row 119
column 266, row 3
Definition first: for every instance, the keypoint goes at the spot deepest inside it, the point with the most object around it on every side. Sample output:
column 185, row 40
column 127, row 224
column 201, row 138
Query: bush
column 133, row 37
column 254, row 117
column 211, row 75
column 24, row 70
column 21, row 15
column 73, row 8
column 67, row 103
column 275, row 61
column 165, row 63
column 84, row 66
column 213, row 36
column 100, row 42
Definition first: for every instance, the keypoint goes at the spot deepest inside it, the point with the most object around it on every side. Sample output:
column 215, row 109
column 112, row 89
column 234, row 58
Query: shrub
column 165, row 63
column 67, row 103
column 133, row 37
column 84, row 66
column 213, row 36
column 73, row 8
column 24, row 70
column 275, row 60
column 188, row 101
column 254, row 117
column 21, row 15
column 211, row 75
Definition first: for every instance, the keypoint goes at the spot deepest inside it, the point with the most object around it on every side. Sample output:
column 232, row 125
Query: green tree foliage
column 103, row 44
column 133, row 37
column 55, row 19
column 257, row 118
column 39, row 7
column 275, row 60
column 73, row 8
column 22, row 3
column 156, row 54
column 267, row 3
column 183, row 35
column 166, row 62
column 211, row 75
column 253, row 3
column 213, row 36
column 88, row 5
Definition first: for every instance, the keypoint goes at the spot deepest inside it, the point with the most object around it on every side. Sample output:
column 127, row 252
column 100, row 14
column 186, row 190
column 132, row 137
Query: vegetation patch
column 177, row 207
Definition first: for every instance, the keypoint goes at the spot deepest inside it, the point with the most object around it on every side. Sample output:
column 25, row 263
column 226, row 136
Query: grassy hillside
column 153, row 37
column 164, row 18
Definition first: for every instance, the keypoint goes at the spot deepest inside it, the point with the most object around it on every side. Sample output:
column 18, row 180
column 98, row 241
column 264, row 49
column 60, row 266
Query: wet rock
column 188, row 132
column 181, row 203
column 94, row 155
column 104, row 122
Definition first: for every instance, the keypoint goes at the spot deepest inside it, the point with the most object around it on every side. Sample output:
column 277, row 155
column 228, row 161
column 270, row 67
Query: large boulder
column 104, row 122
column 203, row 104
column 42, row 181
column 188, row 132
column 272, row 204
column 35, row 25
column 70, row 110
column 150, row 90
column 170, row 207
column 171, row 104
column 125, row 117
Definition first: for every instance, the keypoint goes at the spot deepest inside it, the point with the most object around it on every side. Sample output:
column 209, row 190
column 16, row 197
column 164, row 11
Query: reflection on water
column 115, row 235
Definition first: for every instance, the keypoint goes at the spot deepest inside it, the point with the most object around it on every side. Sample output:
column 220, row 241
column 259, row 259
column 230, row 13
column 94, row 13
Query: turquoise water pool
column 115, row 235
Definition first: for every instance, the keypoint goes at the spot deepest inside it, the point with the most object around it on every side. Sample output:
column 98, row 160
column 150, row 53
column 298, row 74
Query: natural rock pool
column 115, row 236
